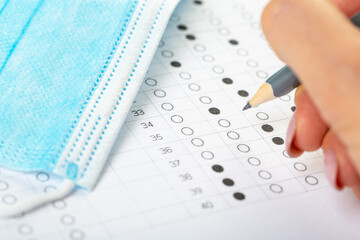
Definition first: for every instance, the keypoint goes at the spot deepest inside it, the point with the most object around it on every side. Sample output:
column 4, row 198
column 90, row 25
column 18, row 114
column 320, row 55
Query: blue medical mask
column 69, row 71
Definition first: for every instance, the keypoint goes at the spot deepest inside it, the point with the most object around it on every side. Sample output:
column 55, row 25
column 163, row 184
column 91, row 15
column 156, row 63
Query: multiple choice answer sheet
column 189, row 163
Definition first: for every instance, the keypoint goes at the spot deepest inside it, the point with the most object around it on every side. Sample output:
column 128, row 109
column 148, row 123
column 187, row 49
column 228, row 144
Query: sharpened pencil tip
column 247, row 106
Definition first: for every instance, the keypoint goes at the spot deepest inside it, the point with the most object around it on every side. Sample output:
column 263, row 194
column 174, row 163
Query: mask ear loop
column 34, row 202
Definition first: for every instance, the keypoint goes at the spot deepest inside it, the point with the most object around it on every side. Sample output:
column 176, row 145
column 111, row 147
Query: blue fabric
column 52, row 53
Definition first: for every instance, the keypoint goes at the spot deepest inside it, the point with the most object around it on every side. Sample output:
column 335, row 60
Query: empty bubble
column 76, row 234
column 242, row 52
column 285, row 98
column 9, row 199
column 276, row 188
column 187, row 131
column 67, row 220
column 254, row 161
column 264, row 174
column 218, row 69
column 59, row 204
column 197, row 142
column 194, row 87
column 25, row 229
column 224, row 123
column 167, row 54
column 300, row 167
column 262, row 116
column 199, row 48
column 207, row 155
column 160, row 93
column 208, row 58
column 151, row 82
column 252, row 63
column 177, row 119
column 233, row 135
column 311, row 180
column 167, row 106
column 224, row 31
column 205, row 100
column 243, row 148
column 262, row 74
column 42, row 176
column 185, row 75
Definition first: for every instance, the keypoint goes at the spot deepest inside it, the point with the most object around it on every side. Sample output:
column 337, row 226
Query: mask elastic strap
column 34, row 202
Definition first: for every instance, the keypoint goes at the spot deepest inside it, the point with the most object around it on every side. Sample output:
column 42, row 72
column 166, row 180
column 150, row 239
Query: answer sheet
column 189, row 163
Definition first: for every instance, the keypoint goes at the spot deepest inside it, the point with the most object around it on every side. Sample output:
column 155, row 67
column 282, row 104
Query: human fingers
column 318, row 42
column 307, row 129
column 339, row 168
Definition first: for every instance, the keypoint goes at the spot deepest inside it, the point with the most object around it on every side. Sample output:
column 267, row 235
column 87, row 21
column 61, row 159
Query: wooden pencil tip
column 247, row 106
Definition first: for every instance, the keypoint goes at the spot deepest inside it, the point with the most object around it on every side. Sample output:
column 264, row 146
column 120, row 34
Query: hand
column 320, row 44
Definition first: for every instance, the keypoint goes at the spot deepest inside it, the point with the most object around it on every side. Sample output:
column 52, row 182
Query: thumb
column 321, row 45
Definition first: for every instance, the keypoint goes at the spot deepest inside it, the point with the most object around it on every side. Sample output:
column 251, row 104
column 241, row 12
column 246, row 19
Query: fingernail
column 331, row 168
column 290, row 136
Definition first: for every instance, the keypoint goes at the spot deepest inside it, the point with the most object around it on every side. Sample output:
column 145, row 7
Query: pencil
column 281, row 83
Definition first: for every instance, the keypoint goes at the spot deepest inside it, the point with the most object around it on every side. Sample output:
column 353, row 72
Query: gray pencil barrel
column 283, row 82
column 356, row 19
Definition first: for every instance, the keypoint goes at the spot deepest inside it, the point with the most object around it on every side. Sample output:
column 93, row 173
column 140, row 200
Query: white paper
column 160, row 182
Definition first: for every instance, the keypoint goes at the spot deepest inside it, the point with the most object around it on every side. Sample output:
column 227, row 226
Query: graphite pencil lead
column 247, row 106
